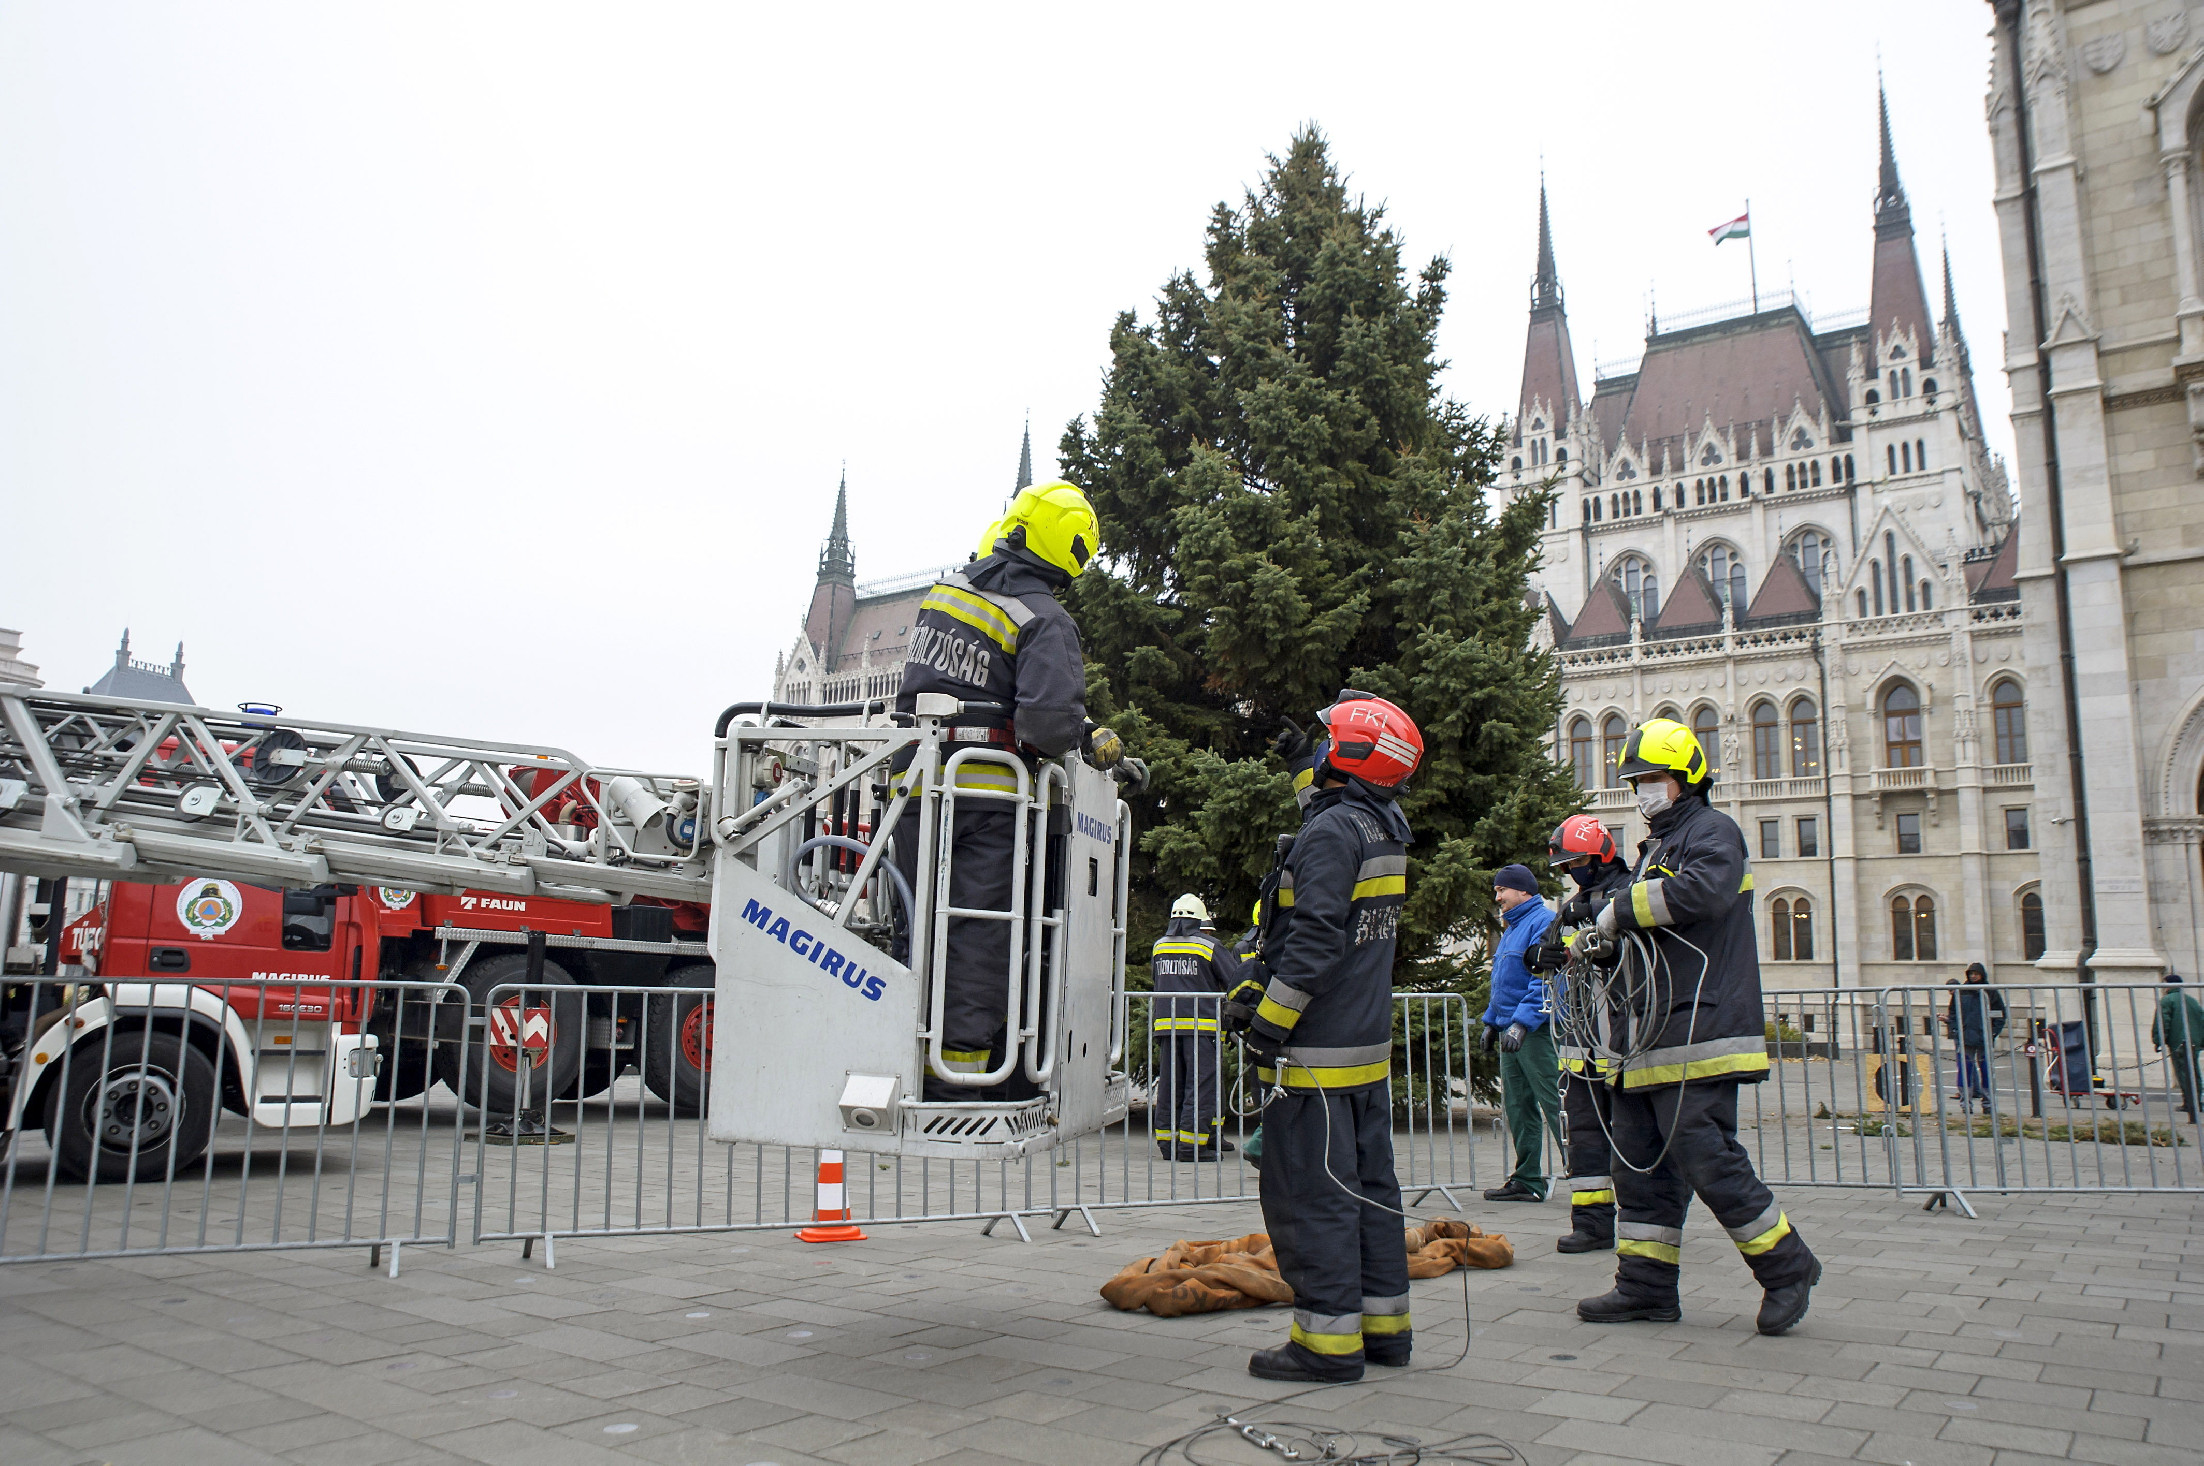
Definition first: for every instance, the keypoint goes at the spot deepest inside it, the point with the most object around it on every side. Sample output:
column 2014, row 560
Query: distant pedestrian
column 2178, row 1031
column 1974, row 1020
column 1516, row 1023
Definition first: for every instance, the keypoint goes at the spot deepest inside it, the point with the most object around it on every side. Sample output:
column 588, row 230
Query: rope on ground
column 1242, row 1272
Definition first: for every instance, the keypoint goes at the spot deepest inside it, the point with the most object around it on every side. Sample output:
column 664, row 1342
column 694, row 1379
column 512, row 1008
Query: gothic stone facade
column 1789, row 535
column 2100, row 107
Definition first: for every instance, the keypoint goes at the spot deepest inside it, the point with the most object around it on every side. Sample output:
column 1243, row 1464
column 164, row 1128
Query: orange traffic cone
column 833, row 1205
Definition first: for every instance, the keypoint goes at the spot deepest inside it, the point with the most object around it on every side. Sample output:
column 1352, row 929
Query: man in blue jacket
column 1516, row 1024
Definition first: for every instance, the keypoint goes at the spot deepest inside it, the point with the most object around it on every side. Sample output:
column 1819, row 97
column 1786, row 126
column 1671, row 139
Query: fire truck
column 271, row 873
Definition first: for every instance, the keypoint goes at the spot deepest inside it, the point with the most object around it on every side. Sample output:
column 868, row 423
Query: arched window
column 1875, row 578
column 1892, row 450
column 1921, row 454
column 1815, row 468
column 1928, row 601
column 1791, row 926
column 2009, row 721
column 1767, row 480
column 1767, row 742
column 1905, row 457
column 1614, row 506
column 2031, row 925
column 1613, row 733
column 1561, row 455
column 1517, row 463
column 1911, row 603
column 1873, row 397
column 1911, row 929
column 1901, row 727
column 1928, row 389
column 1641, row 586
column 1587, row 511
column 1706, row 727
column 1595, row 506
column 1723, row 567
column 1725, row 488
column 1790, row 476
column 1848, row 468
column 1805, row 739
column 1637, row 499
column 1580, row 753
column 1808, row 551
column 1836, row 470
column 1862, row 594
column 1905, row 381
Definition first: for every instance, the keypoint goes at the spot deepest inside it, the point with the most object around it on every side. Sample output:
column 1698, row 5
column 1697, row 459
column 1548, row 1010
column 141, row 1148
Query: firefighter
column 995, row 633
column 1697, row 1034
column 1582, row 847
column 1190, row 977
column 1322, row 1036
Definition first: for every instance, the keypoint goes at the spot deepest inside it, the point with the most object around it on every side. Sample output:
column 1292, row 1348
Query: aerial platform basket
column 824, row 1037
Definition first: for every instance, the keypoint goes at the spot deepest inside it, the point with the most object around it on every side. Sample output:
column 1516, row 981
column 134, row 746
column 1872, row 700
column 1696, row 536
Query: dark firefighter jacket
column 1329, row 997
column 994, row 632
column 1607, row 880
column 1693, row 885
column 1188, row 960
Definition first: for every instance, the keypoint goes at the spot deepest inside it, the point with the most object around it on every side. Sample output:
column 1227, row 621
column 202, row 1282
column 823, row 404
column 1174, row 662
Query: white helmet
column 1190, row 905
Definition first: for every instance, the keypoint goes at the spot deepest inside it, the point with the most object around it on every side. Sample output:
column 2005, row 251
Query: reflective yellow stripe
column 1328, row 1343
column 1590, row 1198
column 1745, row 884
column 1277, row 1013
column 1696, row 1069
column 1767, row 1239
column 966, row 1061
column 982, row 616
column 1186, row 1025
column 993, row 777
column 1300, row 1076
column 1185, row 949
column 1657, row 1251
column 1381, row 886
column 1304, row 778
column 1641, row 904
column 1385, row 1323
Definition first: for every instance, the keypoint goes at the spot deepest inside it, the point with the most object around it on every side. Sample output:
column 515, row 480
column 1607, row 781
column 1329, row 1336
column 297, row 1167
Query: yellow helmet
column 1663, row 746
column 988, row 536
column 1059, row 525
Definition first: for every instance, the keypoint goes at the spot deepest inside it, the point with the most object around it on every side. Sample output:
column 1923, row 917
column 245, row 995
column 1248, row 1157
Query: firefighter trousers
column 1189, row 1108
column 1347, row 1262
column 976, row 989
column 1591, row 1163
column 1692, row 1128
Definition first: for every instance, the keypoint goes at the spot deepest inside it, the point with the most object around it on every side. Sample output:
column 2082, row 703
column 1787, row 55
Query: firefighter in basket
column 1581, row 847
column 1322, row 1037
column 1685, row 926
column 995, row 633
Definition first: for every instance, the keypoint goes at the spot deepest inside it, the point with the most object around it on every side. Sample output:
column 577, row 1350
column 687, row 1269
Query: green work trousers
column 2183, row 1059
column 1530, row 1094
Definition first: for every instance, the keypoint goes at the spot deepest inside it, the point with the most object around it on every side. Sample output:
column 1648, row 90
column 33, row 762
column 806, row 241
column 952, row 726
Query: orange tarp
column 1208, row 1277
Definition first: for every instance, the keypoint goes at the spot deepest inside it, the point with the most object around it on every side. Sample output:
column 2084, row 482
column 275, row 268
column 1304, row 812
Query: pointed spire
column 1546, row 288
column 1025, row 459
column 1890, row 195
column 837, row 560
column 1951, row 303
column 122, row 653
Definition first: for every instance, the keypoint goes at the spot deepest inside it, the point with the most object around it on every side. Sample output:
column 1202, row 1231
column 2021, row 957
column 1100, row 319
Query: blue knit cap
column 1515, row 878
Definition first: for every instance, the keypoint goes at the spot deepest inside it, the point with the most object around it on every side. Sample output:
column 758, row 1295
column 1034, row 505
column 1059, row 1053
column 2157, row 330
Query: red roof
column 1692, row 604
column 1783, row 591
column 1736, row 371
column 1605, row 613
column 1996, row 572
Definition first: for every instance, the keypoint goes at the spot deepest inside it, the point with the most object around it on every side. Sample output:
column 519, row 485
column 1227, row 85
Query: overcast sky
column 488, row 370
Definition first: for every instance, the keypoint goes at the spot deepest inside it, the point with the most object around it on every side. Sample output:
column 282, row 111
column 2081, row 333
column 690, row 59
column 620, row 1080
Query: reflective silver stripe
column 1338, row 1058
column 1713, row 1048
column 1594, row 1183
column 1327, row 1323
column 1286, row 997
column 1020, row 614
column 1641, row 1232
column 1757, row 1225
column 1384, row 1307
column 1656, row 901
column 1382, row 865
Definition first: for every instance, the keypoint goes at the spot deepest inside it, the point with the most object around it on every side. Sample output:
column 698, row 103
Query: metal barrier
column 598, row 1130
column 156, row 1117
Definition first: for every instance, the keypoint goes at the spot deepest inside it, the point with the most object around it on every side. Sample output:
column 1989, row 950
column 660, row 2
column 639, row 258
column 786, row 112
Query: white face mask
column 1653, row 798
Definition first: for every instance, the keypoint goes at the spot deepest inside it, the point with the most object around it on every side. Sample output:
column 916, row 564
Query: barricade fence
column 152, row 1117
column 159, row 1117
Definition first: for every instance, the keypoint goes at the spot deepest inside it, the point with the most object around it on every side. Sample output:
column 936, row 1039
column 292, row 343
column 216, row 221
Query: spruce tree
column 1290, row 506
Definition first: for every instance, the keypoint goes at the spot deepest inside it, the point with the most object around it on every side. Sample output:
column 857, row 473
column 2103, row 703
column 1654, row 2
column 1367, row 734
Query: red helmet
column 1371, row 741
column 1579, row 835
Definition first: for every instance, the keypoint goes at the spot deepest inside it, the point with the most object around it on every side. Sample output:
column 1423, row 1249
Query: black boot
column 1513, row 1191
column 1782, row 1307
column 1620, row 1307
column 1298, row 1365
column 1392, row 1353
column 1583, row 1241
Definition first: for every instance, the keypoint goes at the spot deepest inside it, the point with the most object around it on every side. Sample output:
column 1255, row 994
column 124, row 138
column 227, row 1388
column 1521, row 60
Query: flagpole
column 1752, row 259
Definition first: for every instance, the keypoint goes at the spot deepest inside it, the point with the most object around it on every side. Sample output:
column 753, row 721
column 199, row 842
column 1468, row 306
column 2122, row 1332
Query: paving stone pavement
column 2054, row 1328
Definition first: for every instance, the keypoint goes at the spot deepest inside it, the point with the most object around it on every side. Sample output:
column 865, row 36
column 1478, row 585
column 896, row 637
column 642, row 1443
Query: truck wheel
column 603, row 1061
column 546, row 1020
column 677, row 1039
column 402, row 1025
column 155, row 1092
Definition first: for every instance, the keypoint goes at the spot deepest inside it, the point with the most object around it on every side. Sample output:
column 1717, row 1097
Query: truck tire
column 403, row 1069
column 677, row 1039
column 603, row 1062
column 155, row 1091
column 497, row 1063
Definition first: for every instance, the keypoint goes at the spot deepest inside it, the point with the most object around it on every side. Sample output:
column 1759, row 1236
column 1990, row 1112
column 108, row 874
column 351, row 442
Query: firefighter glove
column 1263, row 1046
column 1239, row 1007
column 1546, row 957
column 1104, row 748
column 1512, row 1039
column 1132, row 773
column 1292, row 743
column 1577, row 910
column 1608, row 924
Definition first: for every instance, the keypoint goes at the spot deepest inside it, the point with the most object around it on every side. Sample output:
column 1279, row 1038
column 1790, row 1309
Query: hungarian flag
column 1737, row 228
